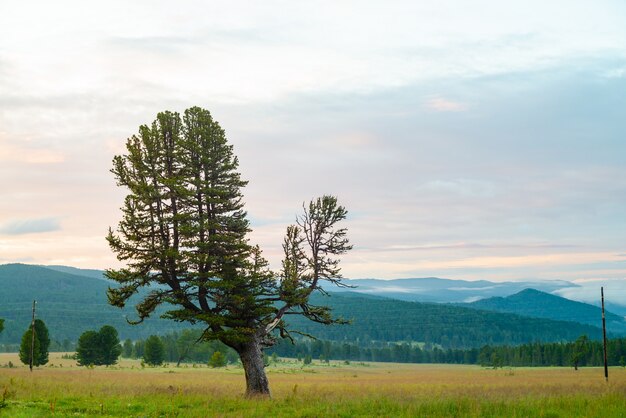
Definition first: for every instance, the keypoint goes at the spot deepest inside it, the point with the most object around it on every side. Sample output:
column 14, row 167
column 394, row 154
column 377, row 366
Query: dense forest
column 534, row 354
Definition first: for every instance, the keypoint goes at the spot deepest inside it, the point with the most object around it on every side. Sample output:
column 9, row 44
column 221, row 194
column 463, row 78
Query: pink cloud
column 441, row 104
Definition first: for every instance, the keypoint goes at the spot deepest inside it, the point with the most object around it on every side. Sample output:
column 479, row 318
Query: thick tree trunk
column 251, row 357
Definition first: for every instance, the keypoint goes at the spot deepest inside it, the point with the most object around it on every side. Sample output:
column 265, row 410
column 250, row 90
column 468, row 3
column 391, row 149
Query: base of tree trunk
column 257, row 384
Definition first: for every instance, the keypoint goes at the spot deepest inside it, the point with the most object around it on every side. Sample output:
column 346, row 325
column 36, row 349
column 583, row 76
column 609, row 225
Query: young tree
column 183, row 235
column 41, row 333
column 88, row 349
column 217, row 359
column 580, row 350
column 41, row 344
column 127, row 350
column 154, row 351
column 110, row 348
column 25, row 348
column 100, row 348
column 1, row 324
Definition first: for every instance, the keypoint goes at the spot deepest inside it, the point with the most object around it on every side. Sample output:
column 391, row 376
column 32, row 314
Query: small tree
column 217, row 359
column 88, row 349
column 580, row 350
column 1, row 324
column 110, row 348
column 154, row 351
column 42, row 342
column 25, row 348
column 100, row 348
column 127, row 350
column 41, row 333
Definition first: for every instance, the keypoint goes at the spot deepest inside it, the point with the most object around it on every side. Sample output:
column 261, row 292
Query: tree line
column 582, row 352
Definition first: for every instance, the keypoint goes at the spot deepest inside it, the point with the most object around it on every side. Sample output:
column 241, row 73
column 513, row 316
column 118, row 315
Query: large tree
column 183, row 237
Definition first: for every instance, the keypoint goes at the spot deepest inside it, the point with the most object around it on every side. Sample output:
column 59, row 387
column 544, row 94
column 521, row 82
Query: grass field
column 371, row 389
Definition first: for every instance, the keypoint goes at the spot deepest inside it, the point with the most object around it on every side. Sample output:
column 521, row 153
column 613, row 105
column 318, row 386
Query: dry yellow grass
column 63, row 388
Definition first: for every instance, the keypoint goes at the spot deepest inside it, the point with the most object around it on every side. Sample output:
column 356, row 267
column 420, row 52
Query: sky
column 468, row 140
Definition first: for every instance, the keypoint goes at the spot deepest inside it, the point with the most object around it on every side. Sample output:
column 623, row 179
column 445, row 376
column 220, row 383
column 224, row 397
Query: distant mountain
column 96, row 274
column 433, row 289
column 68, row 303
column 534, row 303
column 72, row 303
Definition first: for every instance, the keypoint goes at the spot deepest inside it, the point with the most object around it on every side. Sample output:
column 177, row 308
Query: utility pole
column 32, row 340
column 606, row 368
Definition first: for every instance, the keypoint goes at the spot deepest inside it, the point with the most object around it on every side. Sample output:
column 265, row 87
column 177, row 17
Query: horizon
column 581, row 290
column 471, row 142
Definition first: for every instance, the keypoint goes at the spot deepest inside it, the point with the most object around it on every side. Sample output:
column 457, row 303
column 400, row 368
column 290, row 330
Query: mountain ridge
column 70, row 304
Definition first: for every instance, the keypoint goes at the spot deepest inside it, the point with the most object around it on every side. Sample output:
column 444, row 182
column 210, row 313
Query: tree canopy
column 183, row 235
column 154, row 351
column 41, row 344
column 98, row 348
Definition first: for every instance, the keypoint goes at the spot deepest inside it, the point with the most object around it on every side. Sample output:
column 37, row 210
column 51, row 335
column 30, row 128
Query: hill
column 382, row 319
column 534, row 303
column 68, row 303
column 71, row 303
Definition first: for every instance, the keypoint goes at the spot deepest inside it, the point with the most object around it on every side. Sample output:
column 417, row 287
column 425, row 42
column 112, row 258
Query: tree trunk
column 251, row 357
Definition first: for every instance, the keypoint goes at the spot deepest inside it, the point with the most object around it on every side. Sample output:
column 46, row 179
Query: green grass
column 335, row 390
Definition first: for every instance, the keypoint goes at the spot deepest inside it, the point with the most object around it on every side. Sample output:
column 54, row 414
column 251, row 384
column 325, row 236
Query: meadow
column 320, row 390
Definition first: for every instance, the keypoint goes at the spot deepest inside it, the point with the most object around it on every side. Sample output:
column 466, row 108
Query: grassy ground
column 371, row 389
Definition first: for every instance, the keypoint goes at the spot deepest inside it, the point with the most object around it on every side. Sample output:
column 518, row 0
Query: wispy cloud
column 441, row 104
column 30, row 226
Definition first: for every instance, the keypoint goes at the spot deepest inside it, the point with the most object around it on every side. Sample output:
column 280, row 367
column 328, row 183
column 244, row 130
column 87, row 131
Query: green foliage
column 100, row 348
column 581, row 348
column 110, row 347
column 25, row 348
column 154, row 351
column 307, row 359
column 40, row 348
column 217, row 360
column 1, row 325
column 41, row 334
column 88, row 348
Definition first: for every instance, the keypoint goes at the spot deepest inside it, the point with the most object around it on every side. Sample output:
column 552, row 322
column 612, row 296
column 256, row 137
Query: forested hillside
column 534, row 303
column 68, row 303
column 381, row 319
column 71, row 304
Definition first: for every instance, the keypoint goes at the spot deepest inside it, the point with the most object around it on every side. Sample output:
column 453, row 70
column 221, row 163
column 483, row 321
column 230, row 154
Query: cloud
column 588, row 290
column 30, row 226
column 441, row 104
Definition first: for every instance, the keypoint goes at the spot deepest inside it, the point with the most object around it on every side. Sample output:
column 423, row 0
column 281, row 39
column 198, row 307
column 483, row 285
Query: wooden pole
column 606, row 368
column 32, row 340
